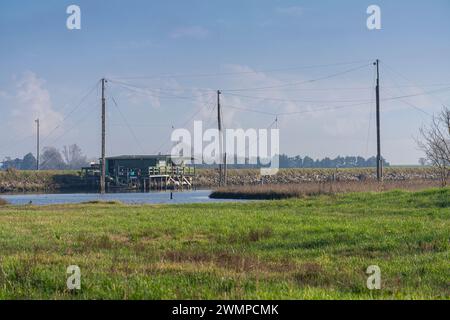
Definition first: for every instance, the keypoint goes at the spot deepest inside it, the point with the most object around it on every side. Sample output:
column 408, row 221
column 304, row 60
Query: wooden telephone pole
column 219, row 125
column 103, row 160
column 37, row 143
column 379, row 159
column 222, row 155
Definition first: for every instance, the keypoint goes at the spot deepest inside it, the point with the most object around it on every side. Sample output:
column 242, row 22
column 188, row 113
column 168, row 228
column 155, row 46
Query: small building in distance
column 144, row 172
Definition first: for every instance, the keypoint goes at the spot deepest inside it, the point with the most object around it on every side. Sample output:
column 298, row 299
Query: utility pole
column 103, row 160
column 37, row 144
column 225, row 169
column 379, row 161
column 219, row 125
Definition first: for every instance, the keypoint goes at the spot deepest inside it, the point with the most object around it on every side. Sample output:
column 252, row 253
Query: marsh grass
column 286, row 191
column 3, row 202
column 316, row 247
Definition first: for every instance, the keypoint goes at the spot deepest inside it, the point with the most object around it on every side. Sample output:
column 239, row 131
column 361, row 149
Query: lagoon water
column 198, row 196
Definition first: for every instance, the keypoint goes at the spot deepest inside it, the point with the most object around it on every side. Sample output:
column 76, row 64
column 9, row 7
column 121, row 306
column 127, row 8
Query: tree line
column 69, row 158
column 338, row 162
column 286, row 161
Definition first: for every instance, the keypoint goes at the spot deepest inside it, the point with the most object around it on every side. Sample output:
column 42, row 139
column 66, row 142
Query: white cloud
column 196, row 32
column 31, row 101
column 143, row 96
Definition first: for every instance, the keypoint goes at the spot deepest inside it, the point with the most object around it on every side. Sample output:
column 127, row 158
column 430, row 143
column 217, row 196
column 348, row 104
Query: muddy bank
column 210, row 178
column 40, row 181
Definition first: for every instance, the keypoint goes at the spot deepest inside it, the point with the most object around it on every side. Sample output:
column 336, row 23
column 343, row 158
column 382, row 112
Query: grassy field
column 311, row 248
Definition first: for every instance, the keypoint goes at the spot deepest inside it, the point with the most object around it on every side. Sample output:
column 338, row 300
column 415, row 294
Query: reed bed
column 285, row 191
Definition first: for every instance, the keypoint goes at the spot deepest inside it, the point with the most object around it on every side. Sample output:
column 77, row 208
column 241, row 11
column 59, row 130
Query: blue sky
column 47, row 69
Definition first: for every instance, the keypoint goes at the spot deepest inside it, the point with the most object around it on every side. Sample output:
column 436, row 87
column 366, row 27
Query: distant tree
column 326, row 163
column 51, row 159
column 371, row 162
column 74, row 157
column 339, row 162
column 435, row 142
column 350, row 162
column 298, row 162
column 28, row 162
column 10, row 163
column 423, row 161
column 284, row 161
column 308, row 162
column 360, row 162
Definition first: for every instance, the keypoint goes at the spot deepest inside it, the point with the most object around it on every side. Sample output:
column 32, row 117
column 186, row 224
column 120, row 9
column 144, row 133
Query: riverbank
column 314, row 248
column 18, row 181
column 15, row 181
column 237, row 177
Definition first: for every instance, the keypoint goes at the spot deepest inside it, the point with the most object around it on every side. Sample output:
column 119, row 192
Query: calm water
column 199, row 196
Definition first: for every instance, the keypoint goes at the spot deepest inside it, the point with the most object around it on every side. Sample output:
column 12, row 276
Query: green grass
column 311, row 248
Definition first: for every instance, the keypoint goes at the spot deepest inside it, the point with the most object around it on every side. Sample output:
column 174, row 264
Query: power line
column 141, row 125
column 298, row 112
column 77, row 106
column 221, row 74
column 184, row 123
column 299, row 83
column 413, row 106
column 252, row 143
column 250, row 110
column 169, row 94
column 126, row 123
column 418, row 94
column 72, row 111
column 157, row 94
column 408, row 103
column 80, row 120
column 42, row 165
column 324, row 109
column 393, row 71
column 297, row 100
column 337, row 107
